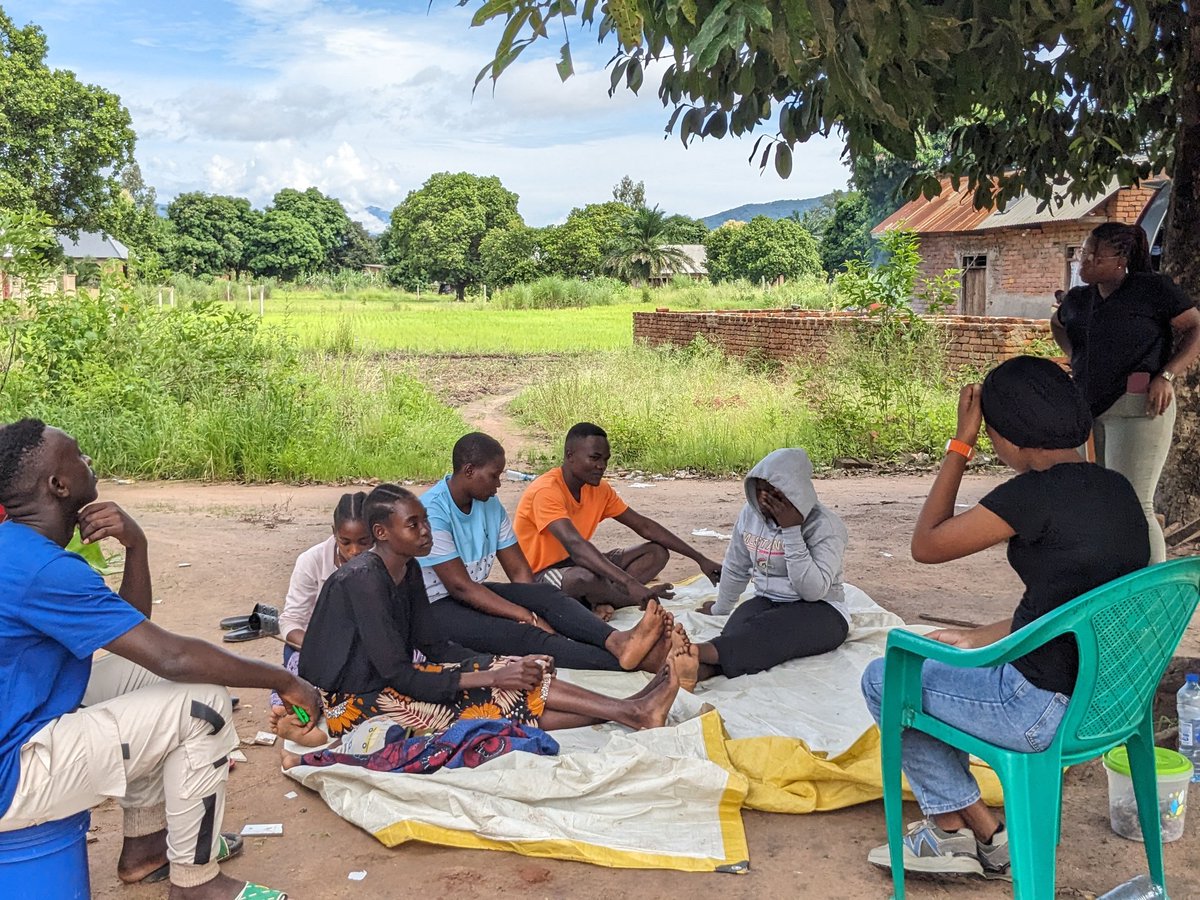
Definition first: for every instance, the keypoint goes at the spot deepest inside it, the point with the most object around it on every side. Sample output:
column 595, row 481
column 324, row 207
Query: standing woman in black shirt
column 1070, row 526
column 1119, row 331
column 373, row 649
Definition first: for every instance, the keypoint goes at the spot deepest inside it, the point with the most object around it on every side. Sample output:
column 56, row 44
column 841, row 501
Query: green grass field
column 446, row 327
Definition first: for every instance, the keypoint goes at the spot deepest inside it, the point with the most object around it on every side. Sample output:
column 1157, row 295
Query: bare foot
column 142, row 855
column 679, row 639
column 664, row 590
column 220, row 888
column 630, row 647
column 686, row 663
column 289, row 728
column 277, row 713
column 288, row 760
column 650, row 685
column 604, row 611
column 652, row 709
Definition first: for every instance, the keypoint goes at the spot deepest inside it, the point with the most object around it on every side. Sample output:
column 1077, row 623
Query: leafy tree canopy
column 436, row 232
column 685, row 230
column 512, row 255
column 629, row 192
column 579, row 246
column 324, row 215
column 761, row 249
column 282, row 245
column 62, row 142
column 212, row 232
column 1026, row 92
column 847, row 234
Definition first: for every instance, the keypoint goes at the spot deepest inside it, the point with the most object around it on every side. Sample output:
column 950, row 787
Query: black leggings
column 579, row 643
column 762, row 633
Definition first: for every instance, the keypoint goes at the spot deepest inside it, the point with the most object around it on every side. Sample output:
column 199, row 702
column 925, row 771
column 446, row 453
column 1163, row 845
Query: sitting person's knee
column 872, row 681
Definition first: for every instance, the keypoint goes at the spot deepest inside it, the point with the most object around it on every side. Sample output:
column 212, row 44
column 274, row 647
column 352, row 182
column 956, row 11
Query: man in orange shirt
column 559, row 513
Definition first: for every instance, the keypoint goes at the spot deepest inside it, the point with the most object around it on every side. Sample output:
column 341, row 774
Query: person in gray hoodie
column 792, row 546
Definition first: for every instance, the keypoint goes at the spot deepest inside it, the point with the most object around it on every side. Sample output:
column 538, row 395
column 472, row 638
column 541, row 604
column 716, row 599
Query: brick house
column 1013, row 261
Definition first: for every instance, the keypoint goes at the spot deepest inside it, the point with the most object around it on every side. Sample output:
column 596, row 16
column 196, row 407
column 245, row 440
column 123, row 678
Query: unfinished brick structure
column 975, row 341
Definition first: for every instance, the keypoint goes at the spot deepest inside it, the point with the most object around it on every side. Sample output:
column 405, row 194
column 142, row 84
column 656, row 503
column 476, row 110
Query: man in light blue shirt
column 471, row 530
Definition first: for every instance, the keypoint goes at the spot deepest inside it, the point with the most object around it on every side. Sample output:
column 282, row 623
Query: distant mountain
column 776, row 209
column 383, row 215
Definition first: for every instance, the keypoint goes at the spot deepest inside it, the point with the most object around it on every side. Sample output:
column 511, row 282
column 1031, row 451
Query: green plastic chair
column 1127, row 631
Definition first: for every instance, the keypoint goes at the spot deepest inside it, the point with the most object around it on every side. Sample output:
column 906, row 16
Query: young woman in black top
column 373, row 649
column 1070, row 526
column 1119, row 330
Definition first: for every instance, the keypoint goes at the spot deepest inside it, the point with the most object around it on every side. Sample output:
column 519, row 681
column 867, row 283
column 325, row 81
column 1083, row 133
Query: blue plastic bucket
column 48, row 861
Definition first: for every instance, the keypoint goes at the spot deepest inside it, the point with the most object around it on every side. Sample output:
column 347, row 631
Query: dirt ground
column 217, row 549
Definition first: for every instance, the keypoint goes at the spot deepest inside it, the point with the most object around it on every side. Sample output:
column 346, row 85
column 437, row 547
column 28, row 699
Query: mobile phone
column 1137, row 383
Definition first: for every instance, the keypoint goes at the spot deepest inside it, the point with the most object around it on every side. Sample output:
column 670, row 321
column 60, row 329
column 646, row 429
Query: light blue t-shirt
column 473, row 537
column 55, row 611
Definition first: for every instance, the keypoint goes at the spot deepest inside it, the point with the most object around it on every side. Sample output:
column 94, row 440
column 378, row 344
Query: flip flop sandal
column 241, row 634
column 229, row 623
column 258, row 892
column 229, row 845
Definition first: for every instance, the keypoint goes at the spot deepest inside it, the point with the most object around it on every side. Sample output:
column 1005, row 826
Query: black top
column 1077, row 526
column 1128, row 331
column 365, row 628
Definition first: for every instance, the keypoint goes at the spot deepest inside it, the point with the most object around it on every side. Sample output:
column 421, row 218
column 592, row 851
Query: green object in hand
column 301, row 715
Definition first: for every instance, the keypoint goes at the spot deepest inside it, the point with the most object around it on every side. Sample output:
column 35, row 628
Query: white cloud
column 366, row 104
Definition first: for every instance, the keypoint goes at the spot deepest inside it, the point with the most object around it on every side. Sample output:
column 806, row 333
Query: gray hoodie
column 787, row 564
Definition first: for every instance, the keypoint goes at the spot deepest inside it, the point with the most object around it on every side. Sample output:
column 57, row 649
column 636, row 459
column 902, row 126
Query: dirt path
column 489, row 413
column 240, row 544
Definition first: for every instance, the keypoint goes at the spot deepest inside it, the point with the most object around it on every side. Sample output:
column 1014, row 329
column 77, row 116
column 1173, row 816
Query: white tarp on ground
column 799, row 739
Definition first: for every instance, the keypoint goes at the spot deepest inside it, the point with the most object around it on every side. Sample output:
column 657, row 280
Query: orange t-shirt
column 548, row 500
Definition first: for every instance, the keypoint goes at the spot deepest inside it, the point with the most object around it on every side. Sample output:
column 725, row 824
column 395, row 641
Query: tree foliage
column 579, row 246
column 212, row 233
column 435, row 234
column 512, row 255
column 324, row 215
column 282, row 245
column 1026, row 92
column 631, row 193
column 62, row 142
column 847, row 233
column 685, row 230
column 761, row 249
column 640, row 249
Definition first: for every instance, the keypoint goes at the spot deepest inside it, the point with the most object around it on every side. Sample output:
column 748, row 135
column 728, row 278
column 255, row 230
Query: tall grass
column 554, row 292
column 673, row 409
column 206, row 391
column 806, row 293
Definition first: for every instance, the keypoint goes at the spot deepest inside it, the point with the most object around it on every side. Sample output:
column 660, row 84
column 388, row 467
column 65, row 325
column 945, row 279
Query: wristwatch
column 1167, row 375
column 962, row 448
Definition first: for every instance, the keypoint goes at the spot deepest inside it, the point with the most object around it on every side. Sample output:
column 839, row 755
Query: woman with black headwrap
column 1070, row 526
column 1119, row 330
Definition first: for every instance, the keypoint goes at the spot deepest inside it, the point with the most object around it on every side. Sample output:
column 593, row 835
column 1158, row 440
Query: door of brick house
column 974, row 286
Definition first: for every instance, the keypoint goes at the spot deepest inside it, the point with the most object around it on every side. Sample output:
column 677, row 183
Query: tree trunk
column 1179, row 489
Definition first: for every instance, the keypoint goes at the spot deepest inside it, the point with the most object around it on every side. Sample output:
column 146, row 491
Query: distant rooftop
column 92, row 244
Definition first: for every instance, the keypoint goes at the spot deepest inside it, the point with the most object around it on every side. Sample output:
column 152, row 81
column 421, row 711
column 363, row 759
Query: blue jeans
column 998, row 705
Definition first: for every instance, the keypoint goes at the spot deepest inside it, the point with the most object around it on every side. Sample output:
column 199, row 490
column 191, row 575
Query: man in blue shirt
column 471, row 530
column 154, row 727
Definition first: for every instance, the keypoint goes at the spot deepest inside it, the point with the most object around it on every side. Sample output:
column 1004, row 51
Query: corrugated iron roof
column 93, row 245
column 697, row 260
column 951, row 210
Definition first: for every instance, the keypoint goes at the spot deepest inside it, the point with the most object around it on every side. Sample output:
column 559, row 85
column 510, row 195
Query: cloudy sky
column 364, row 100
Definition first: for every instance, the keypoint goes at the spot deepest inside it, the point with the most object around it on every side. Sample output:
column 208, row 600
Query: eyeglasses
column 1091, row 254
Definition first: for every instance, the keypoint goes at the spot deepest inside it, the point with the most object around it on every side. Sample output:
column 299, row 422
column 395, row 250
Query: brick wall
column 978, row 341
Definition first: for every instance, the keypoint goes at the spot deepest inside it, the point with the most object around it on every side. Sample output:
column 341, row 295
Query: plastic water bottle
column 1140, row 888
column 1187, row 704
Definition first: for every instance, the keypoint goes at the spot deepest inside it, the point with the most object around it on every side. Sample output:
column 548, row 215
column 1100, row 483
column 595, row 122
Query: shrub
column 555, row 292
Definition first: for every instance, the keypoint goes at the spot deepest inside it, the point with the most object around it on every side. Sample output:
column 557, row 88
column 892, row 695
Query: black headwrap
column 1035, row 404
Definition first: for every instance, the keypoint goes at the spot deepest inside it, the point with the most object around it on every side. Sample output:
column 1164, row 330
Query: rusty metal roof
column 954, row 211
column 951, row 210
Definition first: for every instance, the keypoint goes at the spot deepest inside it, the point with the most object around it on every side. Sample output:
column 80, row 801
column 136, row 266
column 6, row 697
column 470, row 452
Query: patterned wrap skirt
column 344, row 711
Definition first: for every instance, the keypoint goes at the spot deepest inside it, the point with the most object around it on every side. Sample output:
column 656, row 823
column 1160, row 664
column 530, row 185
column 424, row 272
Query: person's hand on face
column 107, row 520
column 777, row 508
column 970, row 413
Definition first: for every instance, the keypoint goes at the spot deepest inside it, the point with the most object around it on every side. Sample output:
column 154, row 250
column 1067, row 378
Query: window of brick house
column 1074, row 261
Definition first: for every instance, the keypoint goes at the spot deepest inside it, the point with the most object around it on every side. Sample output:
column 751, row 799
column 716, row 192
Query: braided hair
column 1129, row 241
column 349, row 508
column 17, row 441
column 377, row 508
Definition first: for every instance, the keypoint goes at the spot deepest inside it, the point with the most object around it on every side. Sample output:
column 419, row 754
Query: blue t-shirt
column 55, row 612
column 473, row 537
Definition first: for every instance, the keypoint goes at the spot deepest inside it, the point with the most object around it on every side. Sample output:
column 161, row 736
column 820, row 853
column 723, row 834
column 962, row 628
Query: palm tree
column 640, row 250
